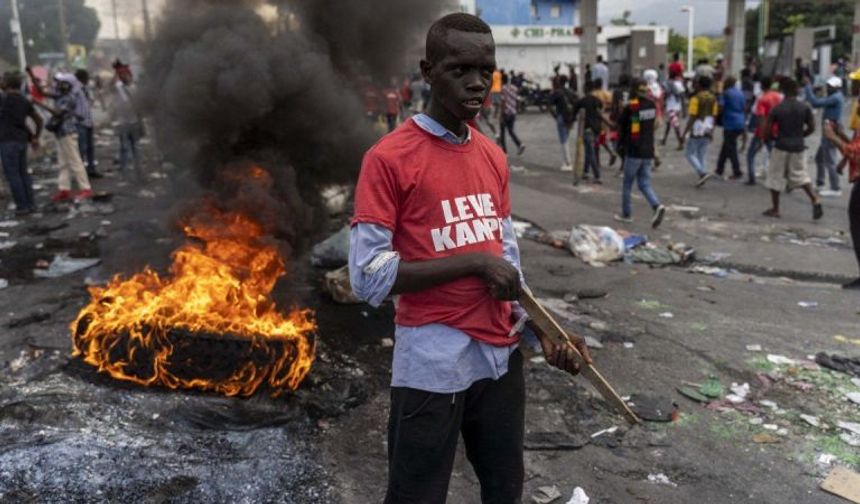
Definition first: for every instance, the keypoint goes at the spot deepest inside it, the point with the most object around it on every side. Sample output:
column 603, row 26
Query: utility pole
column 15, row 24
column 147, row 27
column 64, row 34
column 115, row 21
column 690, row 16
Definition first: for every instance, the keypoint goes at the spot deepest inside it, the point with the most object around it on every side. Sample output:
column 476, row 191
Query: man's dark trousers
column 424, row 427
column 729, row 151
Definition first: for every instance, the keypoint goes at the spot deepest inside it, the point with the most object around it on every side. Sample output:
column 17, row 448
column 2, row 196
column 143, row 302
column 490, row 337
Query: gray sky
column 709, row 18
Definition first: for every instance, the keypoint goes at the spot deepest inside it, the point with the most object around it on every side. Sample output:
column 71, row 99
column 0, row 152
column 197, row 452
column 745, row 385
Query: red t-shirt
column 766, row 102
column 392, row 101
column 676, row 68
column 439, row 200
column 852, row 152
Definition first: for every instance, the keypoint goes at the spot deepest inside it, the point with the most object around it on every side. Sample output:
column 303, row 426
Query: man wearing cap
column 825, row 157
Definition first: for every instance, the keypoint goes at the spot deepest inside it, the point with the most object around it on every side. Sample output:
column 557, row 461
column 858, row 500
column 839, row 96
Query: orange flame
column 216, row 286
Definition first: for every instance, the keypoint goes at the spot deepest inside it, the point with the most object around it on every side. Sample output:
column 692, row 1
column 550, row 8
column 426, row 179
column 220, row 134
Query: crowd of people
column 61, row 107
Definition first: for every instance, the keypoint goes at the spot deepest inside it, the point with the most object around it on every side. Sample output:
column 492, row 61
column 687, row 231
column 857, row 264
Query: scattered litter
column 850, row 439
column 715, row 257
column 739, row 393
column 811, row 420
column 336, row 198
column 807, row 304
column 8, row 223
column 853, row 397
column 852, row 427
column 333, row 252
column 608, row 430
column 844, row 339
column 856, row 382
column 7, row 244
column 655, row 255
column 691, row 393
column 4, row 283
column 765, row 438
column 770, row 426
column 4, row 234
column 843, row 482
column 661, row 479
column 666, row 315
column 105, row 223
column 32, row 318
column 705, row 288
column 711, row 388
column 709, row 270
column 628, row 344
column 63, row 265
column 387, row 342
column 598, row 325
column 782, row 432
column 767, row 403
column 336, row 283
column 836, row 362
column 146, row 193
column 826, row 458
column 756, row 420
column 591, row 293
column 683, row 208
column 579, row 497
column 595, row 245
column 546, row 494
column 592, row 342
column 634, row 240
column 650, row 304
column 753, row 348
column 538, row 359
column 654, row 408
column 43, row 229
column 780, row 360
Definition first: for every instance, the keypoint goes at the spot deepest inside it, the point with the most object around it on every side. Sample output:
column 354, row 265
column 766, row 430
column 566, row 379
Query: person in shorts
column 794, row 122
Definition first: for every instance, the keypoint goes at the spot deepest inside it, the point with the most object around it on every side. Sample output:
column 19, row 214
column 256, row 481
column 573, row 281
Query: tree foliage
column 785, row 16
column 40, row 23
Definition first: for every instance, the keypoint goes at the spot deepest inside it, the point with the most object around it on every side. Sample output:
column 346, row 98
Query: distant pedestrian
column 129, row 125
column 674, row 106
column 416, row 87
column 793, row 121
column 15, row 134
column 700, row 127
column 704, row 69
column 601, row 71
column 676, row 68
column 510, row 101
column 592, row 107
column 636, row 141
column 63, row 124
column 86, row 142
column 825, row 156
column 767, row 100
column 563, row 103
column 732, row 109
column 392, row 107
column 851, row 151
column 496, row 91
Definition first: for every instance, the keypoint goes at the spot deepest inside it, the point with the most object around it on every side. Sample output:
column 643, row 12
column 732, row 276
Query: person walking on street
column 601, row 71
column 636, row 141
column 768, row 99
column 63, row 124
column 563, row 102
column 825, row 156
column 733, row 108
column 15, row 134
column 851, row 150
column 700, row 128
column 674, row 100
column 86, row 142
column 592, row 107
column 129, row 126
column 510, row 101
column 676, row 67
column 793, row 121
column 432, row 224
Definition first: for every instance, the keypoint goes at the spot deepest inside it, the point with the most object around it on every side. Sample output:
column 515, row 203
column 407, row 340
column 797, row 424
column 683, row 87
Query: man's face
column 460, row 81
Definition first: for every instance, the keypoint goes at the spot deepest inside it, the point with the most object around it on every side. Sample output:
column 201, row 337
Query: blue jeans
column 697, row 149
column 825, row 160
column 128, row 146
column 13, row 155
column 753, row 149
column 639, row 169
column 87, row 147
column 588, row 139
column 563, row 136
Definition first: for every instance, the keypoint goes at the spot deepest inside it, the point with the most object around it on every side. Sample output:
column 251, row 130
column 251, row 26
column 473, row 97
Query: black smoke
column 228, row 88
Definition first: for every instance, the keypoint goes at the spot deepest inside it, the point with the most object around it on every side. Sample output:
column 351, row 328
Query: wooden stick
column 541, row 318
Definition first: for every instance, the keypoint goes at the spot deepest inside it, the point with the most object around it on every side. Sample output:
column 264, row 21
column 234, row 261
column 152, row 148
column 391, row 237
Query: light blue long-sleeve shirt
column 433, row 357
column 832, row 104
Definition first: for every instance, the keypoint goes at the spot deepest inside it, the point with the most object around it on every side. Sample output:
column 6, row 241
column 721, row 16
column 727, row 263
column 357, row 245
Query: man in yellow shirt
column 700, row 126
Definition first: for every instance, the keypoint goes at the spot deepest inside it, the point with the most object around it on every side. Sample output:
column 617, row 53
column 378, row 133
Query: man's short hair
column 788, row 86
column 705, row 82
column 600, row 58
column 597, row 83
column 766, row 83
column 12, row 80
column 435, row 48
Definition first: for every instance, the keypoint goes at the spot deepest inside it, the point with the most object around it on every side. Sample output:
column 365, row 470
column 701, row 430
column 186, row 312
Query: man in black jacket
column 636, row 143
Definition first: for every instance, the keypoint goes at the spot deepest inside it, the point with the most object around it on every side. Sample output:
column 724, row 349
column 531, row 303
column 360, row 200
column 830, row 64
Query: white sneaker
column 566, row 167
column 621, row 218
column 829, row 193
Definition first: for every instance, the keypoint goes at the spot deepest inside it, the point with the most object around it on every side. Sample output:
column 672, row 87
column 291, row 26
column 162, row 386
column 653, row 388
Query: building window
column 555, row 11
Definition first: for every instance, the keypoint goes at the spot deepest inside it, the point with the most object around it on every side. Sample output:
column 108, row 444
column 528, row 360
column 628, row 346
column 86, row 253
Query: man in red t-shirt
column 851, row 150
column 432, row 209
column 676, row 68
column 768, row 99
